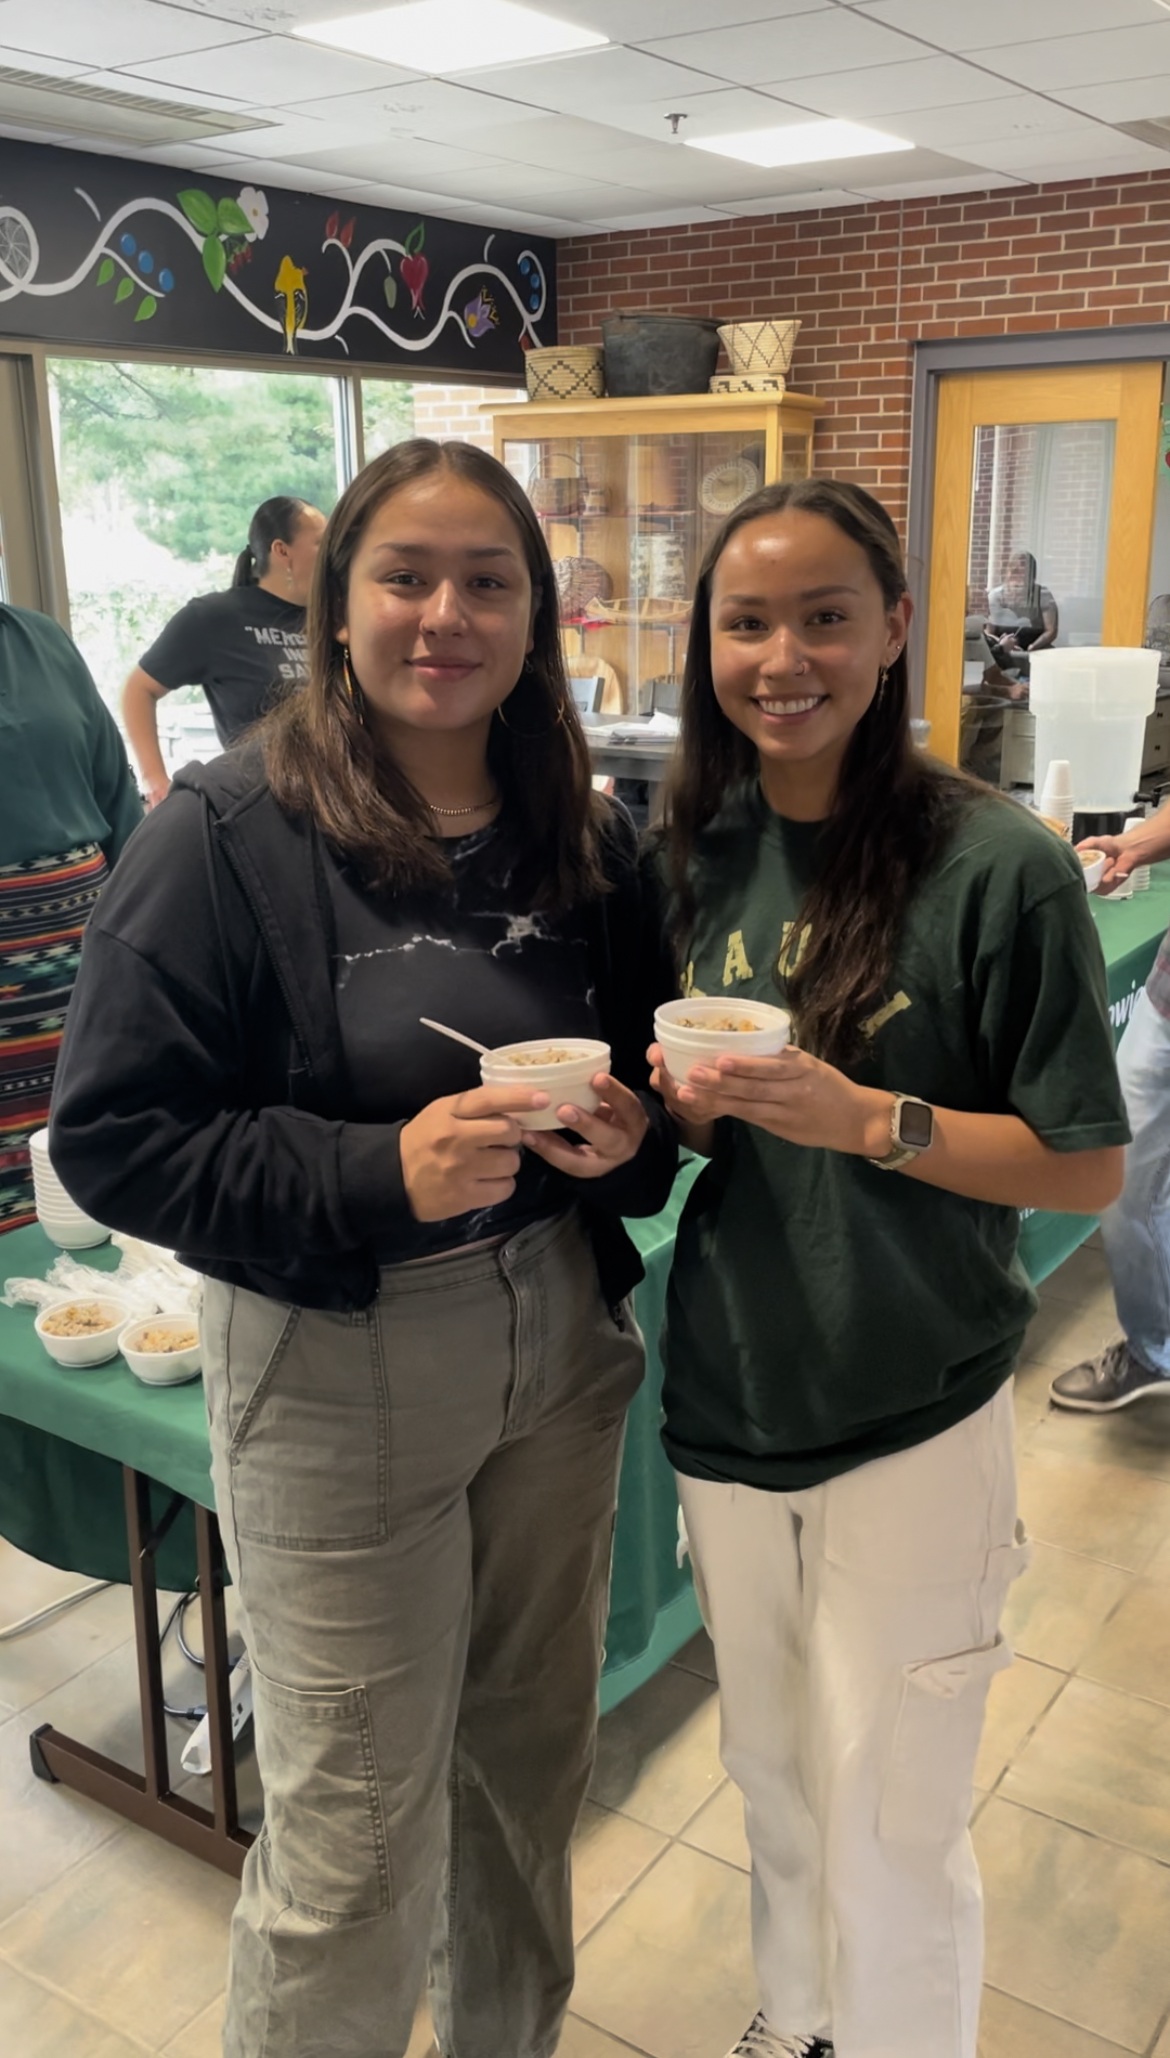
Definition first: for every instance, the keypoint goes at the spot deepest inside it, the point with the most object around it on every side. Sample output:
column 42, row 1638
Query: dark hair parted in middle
column 893, row 810
column 321, row 759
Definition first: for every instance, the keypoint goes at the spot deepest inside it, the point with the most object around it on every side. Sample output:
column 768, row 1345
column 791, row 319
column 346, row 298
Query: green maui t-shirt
column 822, row 1312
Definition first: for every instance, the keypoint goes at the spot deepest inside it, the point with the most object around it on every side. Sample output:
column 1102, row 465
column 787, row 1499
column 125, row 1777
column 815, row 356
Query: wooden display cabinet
column 631, row 492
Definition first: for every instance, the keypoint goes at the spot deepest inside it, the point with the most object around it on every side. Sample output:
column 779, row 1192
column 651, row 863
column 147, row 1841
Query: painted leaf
column 331, row 226
column 231, row 218
column 199, row 209
column 125, row 289
column 146, row 307
column 214, row 260
column 390, row 289
column 106, row 271
column 415, row 240
column 346, row 236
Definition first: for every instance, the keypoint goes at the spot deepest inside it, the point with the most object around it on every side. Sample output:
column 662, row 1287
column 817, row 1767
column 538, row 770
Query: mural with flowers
column 88, row 251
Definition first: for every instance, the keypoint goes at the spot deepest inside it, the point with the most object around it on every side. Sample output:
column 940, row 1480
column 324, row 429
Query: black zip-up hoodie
column 202, row 1098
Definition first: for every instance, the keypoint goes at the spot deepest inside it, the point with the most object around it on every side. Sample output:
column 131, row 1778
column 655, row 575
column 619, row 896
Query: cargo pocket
column 926, row 1797
column 322, row 1809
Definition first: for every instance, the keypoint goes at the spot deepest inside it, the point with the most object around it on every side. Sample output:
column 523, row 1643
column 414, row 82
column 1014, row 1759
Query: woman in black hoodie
column 417, row 1348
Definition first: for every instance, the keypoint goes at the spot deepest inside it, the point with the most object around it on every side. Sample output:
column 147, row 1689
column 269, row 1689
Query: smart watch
column 911, row 1132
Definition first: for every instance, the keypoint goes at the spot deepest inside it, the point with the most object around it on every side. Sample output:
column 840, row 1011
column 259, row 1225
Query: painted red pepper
column 414, row 267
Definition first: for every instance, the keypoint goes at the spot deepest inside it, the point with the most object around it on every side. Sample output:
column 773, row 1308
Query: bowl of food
column 84, row 1329
column 560, row 1066
column 1093, row 862
column 163, row 1350
column 696, row 1032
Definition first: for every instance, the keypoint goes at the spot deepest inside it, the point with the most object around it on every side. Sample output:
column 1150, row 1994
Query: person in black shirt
column 245, row 647
column 417, row 1345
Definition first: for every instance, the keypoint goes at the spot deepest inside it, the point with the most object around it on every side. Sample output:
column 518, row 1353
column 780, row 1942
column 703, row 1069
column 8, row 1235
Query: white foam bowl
column 682, row 1048
column 95, row 1348
column 1094, row 873
column 73, row 1233
column 161, row 1368
column 567, row 1082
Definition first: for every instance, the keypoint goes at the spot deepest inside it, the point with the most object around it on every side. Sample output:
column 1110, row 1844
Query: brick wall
column 447, row 412
column 870, row 281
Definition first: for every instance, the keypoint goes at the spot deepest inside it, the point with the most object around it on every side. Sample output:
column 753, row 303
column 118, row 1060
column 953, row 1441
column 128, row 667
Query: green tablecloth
column 67, row 1434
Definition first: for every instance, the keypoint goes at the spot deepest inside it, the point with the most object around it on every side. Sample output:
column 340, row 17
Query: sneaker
column 758, row 2041
column 1114, row 1379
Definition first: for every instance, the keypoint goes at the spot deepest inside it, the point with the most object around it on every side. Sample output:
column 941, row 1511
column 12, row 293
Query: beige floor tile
column 1101, row 1761
column 582, row 2040
column 1075, row 1927
column 202, row 2038
column 1008, row 2029
column 1132, row 1651
column 1015, row 1704
column 658, row 1754
column 718, row 1828
column 1030, row 1395
column 1054, row 1612
column 609, row 1853
column 41, row 1659
column 35, row 2022
column 1162, row 2047
column 45, row 1830
column 1136, row 1439
column 1158, row 1568
column 138, row 1933
column 1083, row 1277
column 670, row 1970
column 1101, row 1511
column 697, row 1656
column 1062, row 1334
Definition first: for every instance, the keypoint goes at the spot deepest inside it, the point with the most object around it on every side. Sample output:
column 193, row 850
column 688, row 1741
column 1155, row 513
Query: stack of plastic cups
column 1056, row 797
column 60, row 1217
column 1139, row 879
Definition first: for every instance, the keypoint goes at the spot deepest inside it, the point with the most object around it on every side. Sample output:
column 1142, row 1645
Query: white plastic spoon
column 456, row 1035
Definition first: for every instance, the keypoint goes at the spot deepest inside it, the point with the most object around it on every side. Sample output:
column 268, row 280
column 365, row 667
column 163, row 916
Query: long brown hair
column 320, row 757
column 893, row 810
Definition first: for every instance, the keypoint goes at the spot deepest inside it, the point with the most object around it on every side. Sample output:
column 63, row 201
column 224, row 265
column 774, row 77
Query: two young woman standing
column 416, row 1345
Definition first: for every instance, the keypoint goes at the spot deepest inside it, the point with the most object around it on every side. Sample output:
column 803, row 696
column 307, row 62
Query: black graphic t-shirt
column 245, row 647
column 822, row 1312
column 477, row 959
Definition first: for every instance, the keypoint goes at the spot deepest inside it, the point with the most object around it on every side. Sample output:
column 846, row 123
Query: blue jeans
column 1136, row 1229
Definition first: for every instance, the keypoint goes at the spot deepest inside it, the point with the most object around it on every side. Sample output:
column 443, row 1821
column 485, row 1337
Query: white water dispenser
column 1091, row 707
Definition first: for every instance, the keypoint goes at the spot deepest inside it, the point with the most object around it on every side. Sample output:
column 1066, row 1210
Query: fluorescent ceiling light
column 448, row 36
column 805, row 142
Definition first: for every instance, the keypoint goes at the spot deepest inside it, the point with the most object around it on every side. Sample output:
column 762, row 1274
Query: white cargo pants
column 856, row 1630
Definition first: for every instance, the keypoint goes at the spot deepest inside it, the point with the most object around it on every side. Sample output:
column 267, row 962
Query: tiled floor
column 112, row 1944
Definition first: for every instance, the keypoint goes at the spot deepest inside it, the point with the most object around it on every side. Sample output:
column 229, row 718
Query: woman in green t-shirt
column 846, row 1303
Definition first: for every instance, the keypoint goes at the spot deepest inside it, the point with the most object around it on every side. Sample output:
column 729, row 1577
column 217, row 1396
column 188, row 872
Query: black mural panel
column 119, row 254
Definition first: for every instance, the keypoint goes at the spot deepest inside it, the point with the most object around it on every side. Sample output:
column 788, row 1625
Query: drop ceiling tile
column 284, row 141
column 518, row 185
column 1146, row 99
column 437, row 108
column 810, row 199
column 1013, row 118
column 260, row 171
column 598, row 81
column 792, row 48
column 398, row 159
column 269, row 15
column 662, row 218
column 52, row 67
column 976, row 181
column 721, row 111
column 276, row 69
column 1044, row 159
column 887, row 90
column 526, row 222
column 128, row 32
column 1084, row 60
column 640, row 21
column 957, row 25
column 154, row 89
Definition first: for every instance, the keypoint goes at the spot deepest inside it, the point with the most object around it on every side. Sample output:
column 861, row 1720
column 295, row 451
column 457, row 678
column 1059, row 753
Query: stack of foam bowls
column 63, row 1222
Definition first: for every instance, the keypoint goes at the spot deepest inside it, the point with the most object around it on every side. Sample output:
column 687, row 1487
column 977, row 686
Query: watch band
column 901, row 1152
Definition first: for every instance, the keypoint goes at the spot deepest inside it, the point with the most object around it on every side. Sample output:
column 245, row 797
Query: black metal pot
column 659, row 353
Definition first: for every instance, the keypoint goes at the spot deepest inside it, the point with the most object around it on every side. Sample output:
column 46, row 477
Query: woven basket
column 580, row 580
column 564, row 371
column 757, row 348
column 560, row 496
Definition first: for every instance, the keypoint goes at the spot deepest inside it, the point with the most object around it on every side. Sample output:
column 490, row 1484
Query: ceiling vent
column 68, row 107
column 1155, row 132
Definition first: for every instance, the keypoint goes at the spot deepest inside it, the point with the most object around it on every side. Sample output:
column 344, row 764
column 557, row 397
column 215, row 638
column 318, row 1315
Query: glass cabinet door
column 628, row 519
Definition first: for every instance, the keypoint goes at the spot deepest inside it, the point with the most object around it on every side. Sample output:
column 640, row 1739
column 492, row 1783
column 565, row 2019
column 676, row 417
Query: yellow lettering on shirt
column 791, row 951
column 689, row 990
column 735, row 965
column 893, row 1007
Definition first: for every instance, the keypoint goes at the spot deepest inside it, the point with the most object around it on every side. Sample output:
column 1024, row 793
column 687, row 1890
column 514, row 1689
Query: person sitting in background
column 1023, row 616
column 245, row 647
column 1136, row 1229
column 70, row 803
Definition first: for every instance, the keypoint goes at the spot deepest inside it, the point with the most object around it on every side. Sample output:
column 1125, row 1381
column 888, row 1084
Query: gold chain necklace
column 477, row 807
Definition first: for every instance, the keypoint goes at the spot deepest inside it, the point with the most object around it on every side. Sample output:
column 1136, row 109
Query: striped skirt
column 44, row 907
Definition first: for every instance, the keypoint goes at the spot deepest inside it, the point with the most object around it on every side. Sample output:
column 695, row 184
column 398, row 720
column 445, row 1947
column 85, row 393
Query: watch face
column 915, row 1124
